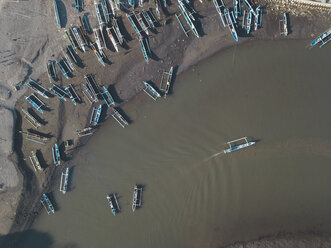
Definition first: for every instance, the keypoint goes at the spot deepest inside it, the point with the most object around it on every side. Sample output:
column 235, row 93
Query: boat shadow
column 62, row 13
column 289, row 29
column 51, row 197
column 125, row 116
column 37, row 117
column 114, row 94
column 173, row 79
column 46, row 135
column 41, row 159
column 124, row 31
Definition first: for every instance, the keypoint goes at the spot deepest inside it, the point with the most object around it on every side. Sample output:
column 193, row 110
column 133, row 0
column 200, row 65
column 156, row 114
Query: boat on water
column 249, row 22
column 47, row 204
column 324, row 38
column 37, row 88
column 111, row 37
column 230, row 24
column 238, row 147
column 137, row 197
column 35, row 162
column 219, row 11
column 119, row 118
column 84, row 132
column 113, row 203
column 256, row 19
column 168, row 81
column 57, row 15
column 64, row 181
column 56, row 155
column 97, row 115
column 150, row 91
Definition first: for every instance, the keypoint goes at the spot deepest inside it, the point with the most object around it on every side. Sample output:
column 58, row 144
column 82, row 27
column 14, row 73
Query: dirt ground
column 123, row 75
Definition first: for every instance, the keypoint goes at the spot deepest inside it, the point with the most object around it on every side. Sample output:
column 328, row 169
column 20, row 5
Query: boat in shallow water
column 238, row 147
column 324, row 38
column 64, row 181
column 230, row 24
column 137, row 196
column 47, row 204
column 56, row 155
column 113, row 203
column 151, row 92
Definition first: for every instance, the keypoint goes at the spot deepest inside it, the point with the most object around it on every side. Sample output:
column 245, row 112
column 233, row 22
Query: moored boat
column 238, row 147
column 151, row 92
column 47, row 204
column 137, row 197
column 113, row 203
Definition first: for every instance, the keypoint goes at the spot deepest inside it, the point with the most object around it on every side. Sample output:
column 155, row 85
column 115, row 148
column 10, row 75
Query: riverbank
column 170, row 48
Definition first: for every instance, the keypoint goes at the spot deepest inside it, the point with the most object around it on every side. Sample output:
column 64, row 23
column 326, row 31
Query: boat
column 111, row 37
column 157, row 10
column 219, row 11
column 230, row 24
column 107, row 97
column 243, row 20
column 141, row 23
column 78, row 39
column 112, row 7
column 78, row 6
column 113, row 203
column 105, row 10
column 64, row 181
column 143, row 49
column 283, row 26
column 238, row 147
column 56, row 155
column 92, row 85
column 35, row 162
column 261, row 15
column 119, row 118
column 324, row 38
column 187, row 17
column 72, row 56
column 33, row 121
column 118, row 32
column 89, row 95
column 137, row 197
column 249, row 6
column 58, row 20
column 68, row 62
column 65, row 74
column 35, row 102
column 59, row 92
column 140, row 3
column 67, row 89
column 86, row 23
column 97, row 10
column 131, row 3
column 97, row 115
column 97, row 40
column 168, row 81
column 249, row 22
column 51, row 70
column 47, row 204
column 151, row 92
column 84, row 132
column 256, row 19
column 69, row 38
column 37, row 88
column 98, row 55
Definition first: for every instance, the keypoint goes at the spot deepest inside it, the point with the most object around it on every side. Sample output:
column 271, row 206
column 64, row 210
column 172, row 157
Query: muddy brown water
column 195, row 196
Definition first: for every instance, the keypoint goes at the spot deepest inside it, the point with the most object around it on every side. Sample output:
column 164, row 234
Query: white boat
column 238, row 147
column 137, row 196
column 64, row 181
column 151, row 92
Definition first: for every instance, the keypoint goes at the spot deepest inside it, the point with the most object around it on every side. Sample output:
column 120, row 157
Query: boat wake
column 213, row 156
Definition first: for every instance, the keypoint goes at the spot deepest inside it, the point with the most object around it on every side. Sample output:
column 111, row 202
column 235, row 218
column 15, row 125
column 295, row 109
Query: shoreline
column 126, row 91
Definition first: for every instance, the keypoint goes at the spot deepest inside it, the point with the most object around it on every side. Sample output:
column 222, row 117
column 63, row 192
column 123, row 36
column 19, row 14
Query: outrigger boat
column 324, row 38
column 97, row 115
column 140, row 3
column 86, row 24
column 129, row 16
column 249, row 6
column 105, row 10
column 112, row 7
column 34, row 137
column 56, row 155
column 256, row 19
column 243, row 21
column 92, row 85
column 72, row 94
column 110, row 35
column 165, row 87
column 72, row 56
column 113, row 203
column 141, row 23
column 131, row 3
column 51, row 70
column 219, row 11
column 78, row 6
column 97, row 10
column 137, row 197
column 283, row 28
column 148, row 19
column 249, row 22
column 48, row 206
column 36, row 102
column 99, row 56
column 84, row 132
column 33, row 121
column 69, row 38
column 64, row 181
column 97, row 40
column 157, row 10
column 107, row 97
column 151, row 92
column 238, row 147
column 143, row 49
column 37, row 88
column 117, row 31
column 78, row 39
column 35, row 162
column 59, row 92
column 68, row 62
column 230, row 24
column 65, row 74
column 187, row 17
column 119, row 118
column 58, row 20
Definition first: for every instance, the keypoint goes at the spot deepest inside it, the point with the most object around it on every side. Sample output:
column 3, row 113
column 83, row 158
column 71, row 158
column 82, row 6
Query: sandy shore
column 26, row 56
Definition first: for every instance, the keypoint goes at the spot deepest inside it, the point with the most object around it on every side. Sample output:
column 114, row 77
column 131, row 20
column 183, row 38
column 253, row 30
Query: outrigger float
column 34, row 137
column 56, row 155
column 111, row 37
column 249, row 22
column 107, row 97
column 165, row 85
column 324, row 38
column 146, row 52
column 238, row 147
column 47, row 204
column 35, row 162
column 137, row 197
column 117, row 30
column 36, row 102
column 283, row 26
column 151, row 92
column 119, row 118
column 33, row 121
column 219, row 10
column 256, row 19
column 64, row 181
column 59, row 92
column 113, row 203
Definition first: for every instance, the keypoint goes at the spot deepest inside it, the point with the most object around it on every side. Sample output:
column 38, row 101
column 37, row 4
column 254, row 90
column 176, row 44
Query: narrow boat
column 141, row 23
column 47, row 204
column 56, row 155
column 168, row 81
column 33, row 121
column 119, row 118
column 86, row 23
column 137, row 197
column 230, row 24
column 157, row 10
column 249, row 6
column 140, row 3
column 65, row 74
column 148, row 19
column 97, row 10
column 188, row 19
column 35, row 102
column 69, row 38
column 58, row 20
column 105, row 10
column 118, row 32
column 34, row 137
column 112, row 7
column 143, row 49
column 59, row 92
column 68, row 62
column 151, row 92
column 84, row 132
column 107, row 97
column 111, row 37
column 249, row 22
column 113, row 203
column 35, row 162
column 131, row 3
column 243, row 20
column 72, row 56
column 51, row 72
column 256, row 19
column 97, row 115
column 323, row 38
column 235, row 8
column 283, row 28
column 165, row 3
column 238, row 147
column 219, row 11
column 67, row 89
column 92, row 85
column 64, row 181
column 97, row 40
column 129, row 16
column 77, row 5
column 261, row 15
column 98, row 55
column 78, row 38
column 37, row 88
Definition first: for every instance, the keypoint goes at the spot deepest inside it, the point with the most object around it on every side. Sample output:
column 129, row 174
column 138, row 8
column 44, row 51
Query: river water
column 194, row 195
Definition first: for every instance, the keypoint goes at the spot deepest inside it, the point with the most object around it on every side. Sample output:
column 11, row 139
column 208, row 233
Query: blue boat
column 62, row 69
column 58, row 20
column 113, row 203
column 86, row 23
column 137, row 197
column 56, row 155
column 97, row 116
column 143, row 49
column 324, row 38
column 47, row 204
column 238, row 147
column 131, row 3
column 249, row 22
column 230, row 24
column 249, row 6
column 35, row 102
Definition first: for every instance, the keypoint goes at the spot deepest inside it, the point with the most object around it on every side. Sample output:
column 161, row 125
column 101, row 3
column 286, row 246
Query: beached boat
column 59, row 92
column 230, row 24
column 107, row 97
column 33, row 121
column 137, row 197
column 98, row 55
column 324, row 38
column 219, row 11
column 78, row 39
column 86, row 23
column 111, row 37
column 157, row 10
column 238, row 147
column 58, row 20
column 117, row 32
column 151, row 92
column 84, row 132
column 141, row 23
column 148, row 19
column 119, row 118
column 283, row 26
column 56, row 155
column 97, row 10
column 129, row 16
column 113, row 203
column 65, row 74
column 105, row 11
column 112, row 7
column 51, row 72
column 37, row 88
column 188, row 19
column 249, row 22
column 140, row 3
column 256, row 19
column 97, row 40
column 132, row 3
column 64, row 181
column 165, row 85
column 249, row 6
column 143, row 49
column 78, row 5
column 35, row 102
column 97, row 115
column 35, row 162
column 47, row 204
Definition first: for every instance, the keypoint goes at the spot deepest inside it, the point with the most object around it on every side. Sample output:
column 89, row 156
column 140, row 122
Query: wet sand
column 124, row 77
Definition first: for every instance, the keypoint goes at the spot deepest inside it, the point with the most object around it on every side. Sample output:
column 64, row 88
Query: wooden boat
column 249, row 22
column 35, row 162
column 84, row 132
column 140, row 3
column 105, row 10
column 58, row 20
column 256, row 19
column 249, row 6
column 219, row 11
column 107, row 97
column 112, row 7
column 148, row 19
column 69, row 38
column 51, row 70
column 64, row 181
column 243, row 20
column 98, row 55
column 72, row 56
column 78, row 6
column 143, row 49
column 37, row 88
column 97, row 115
column 97, row 40
column 65, row 74
column 59, row 92
column 34, row 137
column 151, row 92
column 187, row 18
column 86, row 23
column 283, row 26
column 129, row 16
column 238, row 147
column 324, row 38
column 157, row 10
column 33, row 121
column 35, row 102
column 97, row 10
column 230, row 24
column 117, row 32
column 141, row 23
column 56, row 155
column 47, row 204
column 78, row 39
column 168, row 81
column 119, row 118
column 137, row 197
column 131, row 3
column 111, row 37
column 113, row 203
